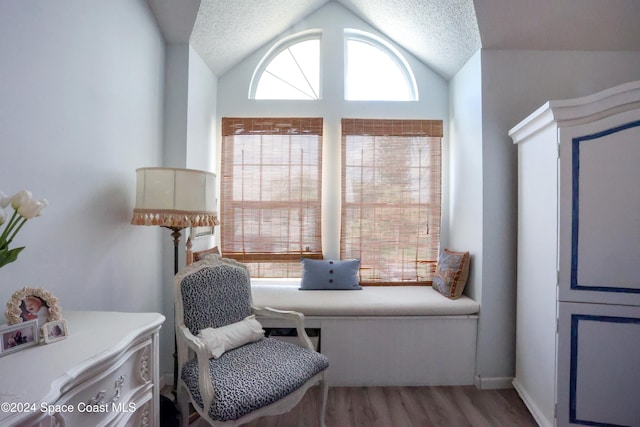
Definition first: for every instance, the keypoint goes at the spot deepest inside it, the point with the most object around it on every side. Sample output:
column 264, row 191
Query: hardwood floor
column 407, row 407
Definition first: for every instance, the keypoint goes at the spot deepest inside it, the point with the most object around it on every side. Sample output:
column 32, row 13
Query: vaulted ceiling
column 443, row 34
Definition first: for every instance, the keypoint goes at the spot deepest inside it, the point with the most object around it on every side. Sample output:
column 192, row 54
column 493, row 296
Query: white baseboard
column 537, row 414
column 489, row 383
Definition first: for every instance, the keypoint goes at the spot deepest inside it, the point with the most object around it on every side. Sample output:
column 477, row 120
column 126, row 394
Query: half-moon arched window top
column 375, row 70
column 290, row 69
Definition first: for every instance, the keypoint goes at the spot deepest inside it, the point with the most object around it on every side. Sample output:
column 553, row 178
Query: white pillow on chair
column 225, row 338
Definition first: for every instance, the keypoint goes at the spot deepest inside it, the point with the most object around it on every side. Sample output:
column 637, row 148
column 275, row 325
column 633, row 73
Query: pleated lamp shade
column 177, row 198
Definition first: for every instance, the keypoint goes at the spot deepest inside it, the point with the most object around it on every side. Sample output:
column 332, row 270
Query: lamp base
column 176, row 242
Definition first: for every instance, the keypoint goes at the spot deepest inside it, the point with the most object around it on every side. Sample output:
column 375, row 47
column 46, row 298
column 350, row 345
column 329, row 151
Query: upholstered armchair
column 228, row 370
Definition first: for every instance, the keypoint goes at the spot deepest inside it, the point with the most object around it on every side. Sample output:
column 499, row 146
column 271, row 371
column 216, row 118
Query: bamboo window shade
column 391, row 199
column 271, row 193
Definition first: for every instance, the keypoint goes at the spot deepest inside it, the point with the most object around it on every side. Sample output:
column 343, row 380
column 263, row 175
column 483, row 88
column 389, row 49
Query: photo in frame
column 54, row 331
column 18, row 337
column 197, row 232
column 197, row 256
column 33, row 304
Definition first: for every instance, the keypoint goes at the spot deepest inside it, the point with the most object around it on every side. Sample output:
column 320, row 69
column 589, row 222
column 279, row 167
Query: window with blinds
column 271, row 193
column 391, row 196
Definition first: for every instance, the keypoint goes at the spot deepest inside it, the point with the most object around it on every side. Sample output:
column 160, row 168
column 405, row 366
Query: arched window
column 375, row 70
column 290, row 70
column 283, row 174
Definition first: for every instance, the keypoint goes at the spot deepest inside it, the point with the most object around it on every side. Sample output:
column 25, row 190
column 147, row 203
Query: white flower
column 25, row 207
column 32, row 208
column 20, row 198
column 44, row 203
column 4, row 200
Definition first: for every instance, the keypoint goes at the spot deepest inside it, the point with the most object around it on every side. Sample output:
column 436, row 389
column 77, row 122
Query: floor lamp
column 175, row 199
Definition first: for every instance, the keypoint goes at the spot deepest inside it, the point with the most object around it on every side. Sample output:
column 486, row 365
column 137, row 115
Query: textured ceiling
column 443, row 34
column 226, row 32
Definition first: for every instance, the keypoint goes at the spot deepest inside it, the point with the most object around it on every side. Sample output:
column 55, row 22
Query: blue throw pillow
column 322, row 274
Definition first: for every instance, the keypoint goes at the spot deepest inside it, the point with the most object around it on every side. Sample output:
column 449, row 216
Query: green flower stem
column 17, row 229
column 10, row 225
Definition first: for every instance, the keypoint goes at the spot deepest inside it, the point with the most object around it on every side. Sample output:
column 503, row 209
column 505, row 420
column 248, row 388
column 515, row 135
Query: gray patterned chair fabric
column 215, row 296
column 266, row 377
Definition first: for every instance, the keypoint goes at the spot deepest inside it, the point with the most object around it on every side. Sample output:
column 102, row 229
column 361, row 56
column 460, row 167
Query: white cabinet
column 104, row 373
column 578, row 304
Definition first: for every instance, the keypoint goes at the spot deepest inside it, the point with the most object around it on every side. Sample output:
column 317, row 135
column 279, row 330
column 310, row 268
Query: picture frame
column 54, row 331
column 33, row 304
column 197, row 232
column 197, row 256
column 18, row 337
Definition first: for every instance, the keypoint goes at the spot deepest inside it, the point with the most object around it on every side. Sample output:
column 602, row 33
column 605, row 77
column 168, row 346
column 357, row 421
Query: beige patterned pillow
column 451, row 273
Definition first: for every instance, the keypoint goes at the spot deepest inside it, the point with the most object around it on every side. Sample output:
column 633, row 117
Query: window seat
column 370, row 301
column 383, row 336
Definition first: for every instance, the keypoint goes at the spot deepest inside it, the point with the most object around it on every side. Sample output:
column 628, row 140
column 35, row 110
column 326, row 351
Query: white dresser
column 578, row 303
column 104, row 373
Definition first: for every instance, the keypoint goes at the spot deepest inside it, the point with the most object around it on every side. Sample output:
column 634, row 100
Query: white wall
column 176, row 96
column 514, row 84
column 233, row 89
column 202, row 128
column 189, row 142
column 81, row 108
column 464, row 223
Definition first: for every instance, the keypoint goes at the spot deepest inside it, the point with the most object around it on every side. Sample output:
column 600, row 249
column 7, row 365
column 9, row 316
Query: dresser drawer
column 143, row 415
column 112, row 395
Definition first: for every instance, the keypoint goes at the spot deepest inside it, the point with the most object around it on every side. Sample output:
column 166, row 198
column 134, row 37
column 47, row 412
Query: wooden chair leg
column 323, row 407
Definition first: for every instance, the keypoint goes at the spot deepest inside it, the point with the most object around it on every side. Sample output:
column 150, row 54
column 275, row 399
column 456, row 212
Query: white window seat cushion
column 283, row 294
